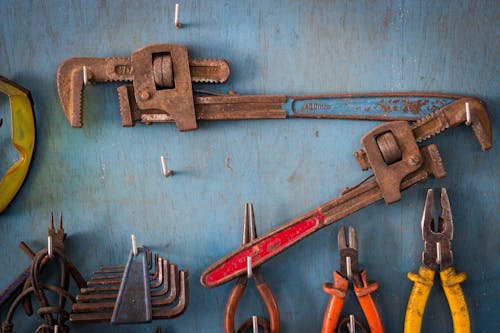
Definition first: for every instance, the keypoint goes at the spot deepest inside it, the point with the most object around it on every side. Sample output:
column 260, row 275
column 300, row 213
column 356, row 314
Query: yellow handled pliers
column 437, row 251
column 23, row 139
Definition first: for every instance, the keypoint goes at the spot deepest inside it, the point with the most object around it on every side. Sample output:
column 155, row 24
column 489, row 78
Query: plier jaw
column 349, row 262
column 437, row 243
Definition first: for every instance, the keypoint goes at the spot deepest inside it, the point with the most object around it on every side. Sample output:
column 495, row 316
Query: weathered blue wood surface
column 107, row 179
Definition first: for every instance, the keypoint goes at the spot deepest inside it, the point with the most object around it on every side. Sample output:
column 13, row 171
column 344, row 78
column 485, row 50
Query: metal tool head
column 249, row 227
column 161, row 89
column 349, row 263
column 58, row 236
column 437, row 243
column 474, row 112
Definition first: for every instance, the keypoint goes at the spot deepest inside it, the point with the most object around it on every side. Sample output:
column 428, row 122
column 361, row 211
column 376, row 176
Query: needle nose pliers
column 437, row 251
column 349, row 268
column 271, row 326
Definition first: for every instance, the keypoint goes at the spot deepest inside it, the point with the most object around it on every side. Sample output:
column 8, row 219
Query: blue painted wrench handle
column 376, row 106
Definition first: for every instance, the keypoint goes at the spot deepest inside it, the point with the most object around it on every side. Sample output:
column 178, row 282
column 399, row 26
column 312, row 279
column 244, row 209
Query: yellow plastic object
column 423, row 282
column 23, row 139
column 456, row 300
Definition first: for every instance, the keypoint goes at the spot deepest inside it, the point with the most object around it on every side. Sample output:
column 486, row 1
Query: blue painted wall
column 107, row 179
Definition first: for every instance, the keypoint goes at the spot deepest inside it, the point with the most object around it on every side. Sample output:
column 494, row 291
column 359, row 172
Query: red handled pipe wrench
column 393, row 153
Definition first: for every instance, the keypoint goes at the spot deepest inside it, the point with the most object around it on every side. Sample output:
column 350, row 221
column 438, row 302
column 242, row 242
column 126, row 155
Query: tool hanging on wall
column 271, row 326
column 437, row 251
column 131, row 294
column 349, row 268
column 161, row 91
column 391, row 150
column 31, row 278
column 23, row 139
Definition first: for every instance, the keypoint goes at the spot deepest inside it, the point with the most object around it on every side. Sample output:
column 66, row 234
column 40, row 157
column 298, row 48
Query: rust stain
column 383, row 106
column 227, row 163
column 387, row 18
column 414, row 107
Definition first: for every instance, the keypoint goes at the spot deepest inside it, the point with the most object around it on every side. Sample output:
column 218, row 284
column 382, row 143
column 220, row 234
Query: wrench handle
column 276, row 241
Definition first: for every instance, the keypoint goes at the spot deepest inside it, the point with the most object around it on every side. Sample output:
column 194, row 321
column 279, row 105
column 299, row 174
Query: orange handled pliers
column 271, row 326
column 349, row 268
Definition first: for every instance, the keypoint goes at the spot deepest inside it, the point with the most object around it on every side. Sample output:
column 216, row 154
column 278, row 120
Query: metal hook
column 438, row 253
column 178, row 24
column 348, row 265
column 50, row 250
column 85, row 76
column 134, row 244
column 166, row 171
column 467, row 114
column 249, row 267
column 352, row 324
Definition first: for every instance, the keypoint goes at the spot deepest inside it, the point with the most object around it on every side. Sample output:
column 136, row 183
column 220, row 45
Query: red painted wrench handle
column 263, row 248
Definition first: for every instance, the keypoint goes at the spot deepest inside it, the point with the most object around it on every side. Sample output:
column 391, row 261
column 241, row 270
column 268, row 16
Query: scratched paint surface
column 409, row 108
column 107, row 179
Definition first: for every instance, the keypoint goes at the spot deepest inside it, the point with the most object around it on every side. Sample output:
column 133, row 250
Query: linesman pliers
column 273, row 326
column 437, row 250
column 349, row 267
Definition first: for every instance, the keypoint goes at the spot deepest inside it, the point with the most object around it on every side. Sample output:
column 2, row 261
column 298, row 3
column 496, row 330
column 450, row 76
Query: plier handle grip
column 271, row 326
column 349, row 268
column 437, row 251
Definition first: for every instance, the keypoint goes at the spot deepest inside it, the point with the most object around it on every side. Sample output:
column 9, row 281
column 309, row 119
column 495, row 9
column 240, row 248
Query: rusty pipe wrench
column 391, row 150
column 161, row 91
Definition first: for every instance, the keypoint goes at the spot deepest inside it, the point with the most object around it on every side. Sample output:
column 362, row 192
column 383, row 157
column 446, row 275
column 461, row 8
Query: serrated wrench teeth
column 156, row 71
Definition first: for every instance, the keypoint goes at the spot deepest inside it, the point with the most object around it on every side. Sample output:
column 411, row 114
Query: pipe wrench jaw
column 162, row 81
column 480, row 123
column 161, row 89
column 467, row 111
column 392, row 153
column 391, row 150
